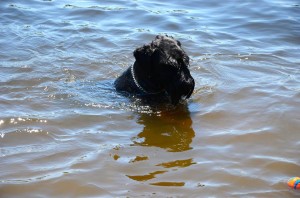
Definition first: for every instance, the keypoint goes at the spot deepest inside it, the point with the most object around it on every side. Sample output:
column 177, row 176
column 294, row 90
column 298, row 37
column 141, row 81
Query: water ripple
column 63, row 126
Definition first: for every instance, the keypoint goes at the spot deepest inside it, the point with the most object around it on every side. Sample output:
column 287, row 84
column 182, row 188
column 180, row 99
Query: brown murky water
column 65, row 132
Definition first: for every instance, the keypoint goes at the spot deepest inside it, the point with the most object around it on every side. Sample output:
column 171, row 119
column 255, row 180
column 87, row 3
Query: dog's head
column 163, row 64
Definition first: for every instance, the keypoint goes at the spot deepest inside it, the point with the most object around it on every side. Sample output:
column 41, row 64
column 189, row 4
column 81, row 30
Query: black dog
column 161, row 67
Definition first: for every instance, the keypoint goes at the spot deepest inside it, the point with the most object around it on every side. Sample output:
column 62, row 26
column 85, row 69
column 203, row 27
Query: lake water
column 65, row 132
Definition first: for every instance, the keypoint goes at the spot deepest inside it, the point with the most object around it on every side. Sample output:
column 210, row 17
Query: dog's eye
column 183, row 61
column 186, row 60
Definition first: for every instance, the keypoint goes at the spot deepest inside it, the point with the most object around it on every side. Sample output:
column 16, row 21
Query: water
column 65, row 132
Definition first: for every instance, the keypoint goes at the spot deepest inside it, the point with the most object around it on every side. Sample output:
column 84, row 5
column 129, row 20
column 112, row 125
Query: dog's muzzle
column 180, row 90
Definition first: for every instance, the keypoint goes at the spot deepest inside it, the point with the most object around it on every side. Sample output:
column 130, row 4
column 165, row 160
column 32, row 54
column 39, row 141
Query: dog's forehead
column 169, row 45
column 166, row 42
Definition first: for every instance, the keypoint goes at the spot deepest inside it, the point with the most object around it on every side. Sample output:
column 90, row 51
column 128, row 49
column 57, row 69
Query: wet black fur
column 161, row 68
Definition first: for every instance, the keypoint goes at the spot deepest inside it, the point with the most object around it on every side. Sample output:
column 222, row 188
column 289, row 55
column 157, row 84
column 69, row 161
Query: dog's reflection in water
column 171, row 130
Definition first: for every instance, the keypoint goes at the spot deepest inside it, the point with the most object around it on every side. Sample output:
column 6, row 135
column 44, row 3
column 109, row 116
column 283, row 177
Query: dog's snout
column 181, row 90
column 192, row 83
column 191, row 86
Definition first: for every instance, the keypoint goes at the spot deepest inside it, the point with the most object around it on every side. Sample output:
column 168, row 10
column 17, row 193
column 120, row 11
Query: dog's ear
column 143, row 54
column 159, row 57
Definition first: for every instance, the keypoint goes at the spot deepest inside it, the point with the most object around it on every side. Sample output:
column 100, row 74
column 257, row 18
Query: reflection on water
column 145, row 177
column 170, row 130
column 177, row 163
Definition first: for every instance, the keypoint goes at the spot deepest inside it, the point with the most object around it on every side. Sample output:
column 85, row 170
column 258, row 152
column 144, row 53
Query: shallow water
column 65, row 132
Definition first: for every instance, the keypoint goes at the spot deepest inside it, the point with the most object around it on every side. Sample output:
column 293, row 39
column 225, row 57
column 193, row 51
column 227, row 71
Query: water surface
column 65, row 132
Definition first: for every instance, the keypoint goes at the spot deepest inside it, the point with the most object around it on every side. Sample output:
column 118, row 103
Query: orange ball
column 294, row 182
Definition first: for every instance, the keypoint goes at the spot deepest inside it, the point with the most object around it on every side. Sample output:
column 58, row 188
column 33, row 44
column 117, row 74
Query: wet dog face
column 163, row 64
